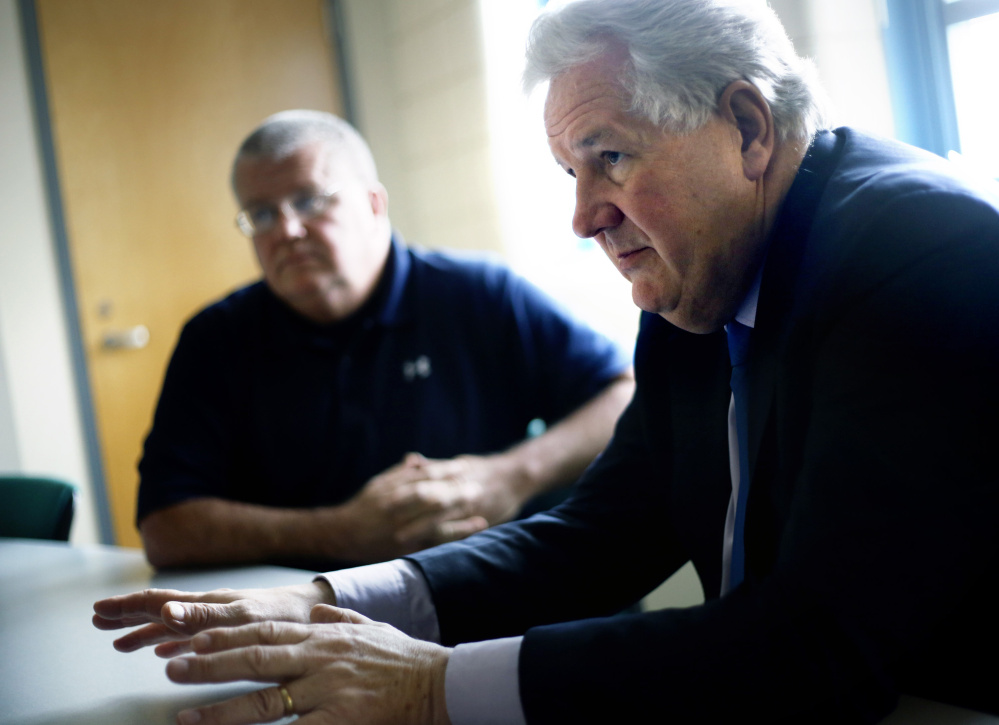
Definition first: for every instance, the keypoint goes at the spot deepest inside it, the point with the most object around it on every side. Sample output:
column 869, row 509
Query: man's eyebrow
column 592, row 139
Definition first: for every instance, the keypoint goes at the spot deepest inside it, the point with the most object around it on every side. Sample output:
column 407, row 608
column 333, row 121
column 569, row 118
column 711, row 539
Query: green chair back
column 36, row 508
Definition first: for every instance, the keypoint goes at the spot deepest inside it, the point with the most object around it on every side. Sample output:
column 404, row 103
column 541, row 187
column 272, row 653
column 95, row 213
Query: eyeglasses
column 304, row 206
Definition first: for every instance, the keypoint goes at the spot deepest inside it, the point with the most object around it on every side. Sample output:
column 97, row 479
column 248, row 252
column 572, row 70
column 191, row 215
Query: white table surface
column 56, row 667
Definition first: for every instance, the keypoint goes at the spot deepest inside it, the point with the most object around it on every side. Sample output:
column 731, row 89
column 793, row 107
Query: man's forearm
column 560, row 454
column 216, row 531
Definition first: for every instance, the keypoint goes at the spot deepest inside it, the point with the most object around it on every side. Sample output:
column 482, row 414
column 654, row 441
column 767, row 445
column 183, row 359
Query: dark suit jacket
column 871, row 534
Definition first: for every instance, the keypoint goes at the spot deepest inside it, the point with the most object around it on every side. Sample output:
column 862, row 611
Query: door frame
column 67, row 284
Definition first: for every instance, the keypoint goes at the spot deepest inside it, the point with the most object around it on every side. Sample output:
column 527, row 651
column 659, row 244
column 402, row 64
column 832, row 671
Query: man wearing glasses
column 364, row 400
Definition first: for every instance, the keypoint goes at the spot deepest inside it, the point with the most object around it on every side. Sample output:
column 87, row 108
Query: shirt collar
column 392, row 310
column 746, row 314
column 385, row 307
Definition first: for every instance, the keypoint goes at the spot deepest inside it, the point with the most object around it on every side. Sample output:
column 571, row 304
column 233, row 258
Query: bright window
column 974, row 59
column 942, row 58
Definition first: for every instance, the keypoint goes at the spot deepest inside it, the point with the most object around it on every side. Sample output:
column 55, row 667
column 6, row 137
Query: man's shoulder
column 236, row 309
column 887, row 202
column 242, row 300
column 470, row 278
column 872, row 170
column 472, row 266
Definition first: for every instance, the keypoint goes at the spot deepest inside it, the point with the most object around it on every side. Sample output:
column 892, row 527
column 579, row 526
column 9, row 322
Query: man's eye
column 612, row 157
column 309, row 205
column 262, row 216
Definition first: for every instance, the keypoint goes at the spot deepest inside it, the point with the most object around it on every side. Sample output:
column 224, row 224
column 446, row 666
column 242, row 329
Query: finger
column 414, row 460
column 266, row 705
column 443, row 469
column 325, row 614
column 462, row 528
column 192, row 617
column 111, row 624
column 268, row 633
column 257, row 663
column 385, row 484
column 429, row 532
column 128, row 610
column 145, row 636
column 174, row 648
column 422, row 501
column 423, row 497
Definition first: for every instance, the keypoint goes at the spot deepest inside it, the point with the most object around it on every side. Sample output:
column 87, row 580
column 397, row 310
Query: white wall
column 37, row 390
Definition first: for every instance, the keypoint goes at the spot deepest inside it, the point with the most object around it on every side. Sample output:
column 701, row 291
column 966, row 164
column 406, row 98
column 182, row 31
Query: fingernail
column 200, row 641
column 188, row 717
column 178, row 667
column 175, row 611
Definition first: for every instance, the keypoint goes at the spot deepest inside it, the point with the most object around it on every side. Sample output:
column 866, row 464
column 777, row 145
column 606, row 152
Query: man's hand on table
column 335, row 665
column 343, row 668
column 169, row 618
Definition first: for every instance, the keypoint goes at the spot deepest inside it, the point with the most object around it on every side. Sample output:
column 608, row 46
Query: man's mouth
column 627, row 256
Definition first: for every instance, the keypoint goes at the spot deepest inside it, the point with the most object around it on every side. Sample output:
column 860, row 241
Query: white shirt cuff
column 481, row 683
column 394, row 592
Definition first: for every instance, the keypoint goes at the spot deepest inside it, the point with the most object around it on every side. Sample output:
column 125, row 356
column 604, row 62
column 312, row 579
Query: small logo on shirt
column 418, row 368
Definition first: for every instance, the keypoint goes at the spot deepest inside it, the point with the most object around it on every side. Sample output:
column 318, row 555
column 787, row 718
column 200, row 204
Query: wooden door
column 149, row 101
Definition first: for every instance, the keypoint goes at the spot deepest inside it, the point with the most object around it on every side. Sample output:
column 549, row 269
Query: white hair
column 283, row 134
column 682, row 55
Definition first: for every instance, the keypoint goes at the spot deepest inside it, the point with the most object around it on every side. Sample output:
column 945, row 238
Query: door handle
column 134, row 338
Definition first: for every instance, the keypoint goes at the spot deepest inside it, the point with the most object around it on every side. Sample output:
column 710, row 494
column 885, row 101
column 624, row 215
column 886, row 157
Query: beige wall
column 421, row 103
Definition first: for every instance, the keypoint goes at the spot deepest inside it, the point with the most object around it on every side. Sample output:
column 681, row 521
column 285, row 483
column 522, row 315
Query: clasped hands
column 423, row 502
column 336, row 665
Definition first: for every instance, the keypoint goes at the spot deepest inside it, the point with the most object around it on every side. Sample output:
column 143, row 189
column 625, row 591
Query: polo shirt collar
column 386, row 306
column 392, row 311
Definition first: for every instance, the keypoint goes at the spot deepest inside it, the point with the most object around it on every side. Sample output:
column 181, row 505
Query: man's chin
column 695, row 324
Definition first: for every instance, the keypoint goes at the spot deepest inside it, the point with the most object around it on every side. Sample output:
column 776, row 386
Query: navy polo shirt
column 449, row 356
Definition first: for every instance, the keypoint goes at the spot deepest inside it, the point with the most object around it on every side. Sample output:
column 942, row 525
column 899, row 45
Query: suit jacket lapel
column 776, row 309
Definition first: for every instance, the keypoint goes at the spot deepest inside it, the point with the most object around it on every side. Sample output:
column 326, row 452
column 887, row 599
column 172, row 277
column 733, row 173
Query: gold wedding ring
column 289, row 704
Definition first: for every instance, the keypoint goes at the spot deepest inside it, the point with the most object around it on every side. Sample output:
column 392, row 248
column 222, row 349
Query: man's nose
column 594, row 212
column 288, row 223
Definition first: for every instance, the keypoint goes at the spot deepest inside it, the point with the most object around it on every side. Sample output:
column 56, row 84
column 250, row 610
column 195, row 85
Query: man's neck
column 780, row 177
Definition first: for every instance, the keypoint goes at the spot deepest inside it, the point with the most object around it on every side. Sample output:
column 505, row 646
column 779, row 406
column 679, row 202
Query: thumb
column 414, row 460
column 327, row 614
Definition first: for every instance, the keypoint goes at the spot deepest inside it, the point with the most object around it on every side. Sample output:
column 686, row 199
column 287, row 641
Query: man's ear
column 742, row 105
column 378, row 197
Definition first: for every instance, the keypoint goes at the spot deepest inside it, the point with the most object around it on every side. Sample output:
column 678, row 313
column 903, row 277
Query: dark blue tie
column 738, row 346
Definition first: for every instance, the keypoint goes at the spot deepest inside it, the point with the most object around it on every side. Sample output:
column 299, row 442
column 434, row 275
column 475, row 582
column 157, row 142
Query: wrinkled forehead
column 597, row 84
